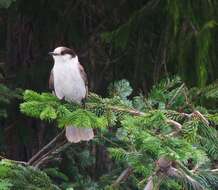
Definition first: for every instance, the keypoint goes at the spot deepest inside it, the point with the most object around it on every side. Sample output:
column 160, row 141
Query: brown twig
column 123, row 176
column 45, row 158
column 176, row 124
column 131, row 111
column 175, row 95
column 108, row 140
column 197, row 113
column 46, row 147
column 47, row 154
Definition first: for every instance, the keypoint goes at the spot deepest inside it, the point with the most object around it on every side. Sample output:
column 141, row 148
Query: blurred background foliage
column 141, row 41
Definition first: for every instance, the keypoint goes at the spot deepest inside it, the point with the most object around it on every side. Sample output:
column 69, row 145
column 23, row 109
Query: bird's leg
column 83, row 103
column 62, row 100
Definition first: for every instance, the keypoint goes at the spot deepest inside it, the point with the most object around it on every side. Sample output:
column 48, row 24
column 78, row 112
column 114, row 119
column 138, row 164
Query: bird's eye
column 62, row 53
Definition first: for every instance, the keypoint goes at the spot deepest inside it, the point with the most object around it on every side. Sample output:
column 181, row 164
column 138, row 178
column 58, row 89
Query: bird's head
column 63, row 54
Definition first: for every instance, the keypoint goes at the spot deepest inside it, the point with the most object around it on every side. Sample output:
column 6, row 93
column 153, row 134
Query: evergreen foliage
column 17, row 177
column 6, row 3
column 163, row 134
column 139, row 40
column 181, row 35
column 47, row 107
column 6, row 96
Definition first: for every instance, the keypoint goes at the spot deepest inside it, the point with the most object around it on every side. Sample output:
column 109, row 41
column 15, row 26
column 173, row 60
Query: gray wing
column 84, row 77
column 51, row 82
column 80, row 134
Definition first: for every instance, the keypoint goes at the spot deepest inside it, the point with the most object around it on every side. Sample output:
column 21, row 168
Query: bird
column 69, row 82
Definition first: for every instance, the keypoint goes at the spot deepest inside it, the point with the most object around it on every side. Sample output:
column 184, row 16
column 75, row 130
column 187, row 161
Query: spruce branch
column 146, row 130
column 176, row 124
column 214, row 170
column 179, row 90
column 13, row 161
column 166, row 168
column 198, row 114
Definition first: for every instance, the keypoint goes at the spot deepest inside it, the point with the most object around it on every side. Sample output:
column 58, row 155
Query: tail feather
column 76, row 135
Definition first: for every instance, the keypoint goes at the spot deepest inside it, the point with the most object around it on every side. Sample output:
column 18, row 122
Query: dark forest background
column 142, row 41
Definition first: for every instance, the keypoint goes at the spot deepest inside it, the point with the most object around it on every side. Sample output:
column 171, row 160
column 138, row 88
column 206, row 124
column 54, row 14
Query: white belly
column 68, row 83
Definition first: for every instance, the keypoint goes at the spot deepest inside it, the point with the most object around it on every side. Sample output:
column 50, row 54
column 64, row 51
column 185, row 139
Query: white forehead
column 58, row 50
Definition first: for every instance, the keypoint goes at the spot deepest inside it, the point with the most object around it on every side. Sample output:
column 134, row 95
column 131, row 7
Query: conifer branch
column 197, row 113
column 14, row 161
column 146, row 132
column 214, row 170
column 176, row 124
column 134, row 112
column 175, row 95
column 130, row 111
column 108, row 140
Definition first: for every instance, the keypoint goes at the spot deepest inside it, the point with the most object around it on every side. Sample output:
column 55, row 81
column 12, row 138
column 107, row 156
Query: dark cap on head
column 63, row 51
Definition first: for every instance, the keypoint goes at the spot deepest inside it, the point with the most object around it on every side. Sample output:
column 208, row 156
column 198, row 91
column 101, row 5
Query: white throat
column 65, row 59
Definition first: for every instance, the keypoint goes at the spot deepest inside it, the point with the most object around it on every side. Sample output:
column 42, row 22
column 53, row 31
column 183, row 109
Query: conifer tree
column 170, row 134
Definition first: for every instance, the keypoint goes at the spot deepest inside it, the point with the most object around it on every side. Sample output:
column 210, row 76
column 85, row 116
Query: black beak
column 52, row 53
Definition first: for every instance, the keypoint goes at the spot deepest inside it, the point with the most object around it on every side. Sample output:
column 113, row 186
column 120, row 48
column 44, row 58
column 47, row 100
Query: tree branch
column 123, row 176
column 14, row 161
column 45, row 158
column 176, row 124
column 46, row 147
column 175, row 95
